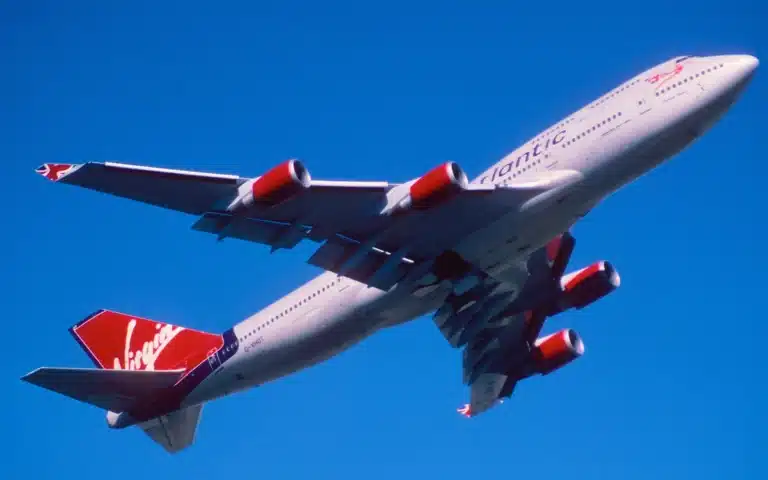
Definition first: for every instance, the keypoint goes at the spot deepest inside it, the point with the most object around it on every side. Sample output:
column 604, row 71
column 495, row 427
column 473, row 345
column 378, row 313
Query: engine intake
column 557, row 350
column 438, row 185
column 584, row 287
column 276, row 186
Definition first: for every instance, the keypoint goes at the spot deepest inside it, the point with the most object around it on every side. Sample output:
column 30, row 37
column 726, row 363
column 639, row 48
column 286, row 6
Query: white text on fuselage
column 499, row 173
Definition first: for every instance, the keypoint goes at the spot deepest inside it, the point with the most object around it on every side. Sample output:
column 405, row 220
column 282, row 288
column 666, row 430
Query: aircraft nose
column 748, row 64
column 738, row 72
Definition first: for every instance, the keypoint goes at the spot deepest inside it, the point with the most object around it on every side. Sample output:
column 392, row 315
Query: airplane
column 488, row 257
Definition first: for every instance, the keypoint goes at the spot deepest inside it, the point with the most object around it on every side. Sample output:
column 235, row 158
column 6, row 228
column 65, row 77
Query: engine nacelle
column 585, row 286
column 557, row 350
column 438, row 185
column 276, row 186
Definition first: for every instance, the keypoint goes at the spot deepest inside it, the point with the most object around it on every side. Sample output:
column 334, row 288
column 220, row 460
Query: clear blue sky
column 673, row 381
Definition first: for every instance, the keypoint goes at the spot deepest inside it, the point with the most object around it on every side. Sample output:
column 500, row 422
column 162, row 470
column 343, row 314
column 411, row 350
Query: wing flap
column 114, row 390
column 360, row 262
column 277, row 235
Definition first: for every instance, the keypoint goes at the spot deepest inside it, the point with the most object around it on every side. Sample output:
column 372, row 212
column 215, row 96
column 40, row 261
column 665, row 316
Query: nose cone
column 745, row 66
column 737, row 72
column 748, row 64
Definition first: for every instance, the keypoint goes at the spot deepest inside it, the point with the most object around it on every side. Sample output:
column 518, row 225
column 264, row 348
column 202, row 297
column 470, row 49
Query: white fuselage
column 608, row 143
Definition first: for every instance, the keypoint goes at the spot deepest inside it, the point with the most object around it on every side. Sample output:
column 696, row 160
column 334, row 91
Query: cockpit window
column 680, row 59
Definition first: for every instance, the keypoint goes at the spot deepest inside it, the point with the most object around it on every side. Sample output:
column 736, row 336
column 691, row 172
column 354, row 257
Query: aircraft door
column 213, row 359
column 642, row 104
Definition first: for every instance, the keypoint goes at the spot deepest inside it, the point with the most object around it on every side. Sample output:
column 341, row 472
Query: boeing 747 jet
column 489, row 257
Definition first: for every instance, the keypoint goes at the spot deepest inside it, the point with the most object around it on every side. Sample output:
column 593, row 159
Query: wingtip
column 465, row 411
column 55, row 171
column 30, row 375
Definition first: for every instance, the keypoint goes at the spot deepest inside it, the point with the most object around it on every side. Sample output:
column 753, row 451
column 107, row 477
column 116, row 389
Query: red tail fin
column 117, row 341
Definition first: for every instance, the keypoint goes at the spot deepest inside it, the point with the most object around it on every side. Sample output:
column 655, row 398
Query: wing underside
column 181, row 190
column 497, row 330
column 348, row 217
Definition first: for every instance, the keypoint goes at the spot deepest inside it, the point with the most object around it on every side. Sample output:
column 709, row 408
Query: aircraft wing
column 355, row 220
column 201, row 192
column 498, row 331
column 182, row 190
column 353, row 211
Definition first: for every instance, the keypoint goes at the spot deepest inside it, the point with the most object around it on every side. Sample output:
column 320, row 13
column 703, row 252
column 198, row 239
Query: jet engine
column 557, row 350
column 276, row 186
column 438, row 185
column 585, row 286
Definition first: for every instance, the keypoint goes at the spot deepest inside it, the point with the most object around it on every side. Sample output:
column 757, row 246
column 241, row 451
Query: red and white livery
column 489, row 256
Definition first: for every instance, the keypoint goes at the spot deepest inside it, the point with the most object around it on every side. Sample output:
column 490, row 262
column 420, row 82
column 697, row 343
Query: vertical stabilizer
column 117, row 341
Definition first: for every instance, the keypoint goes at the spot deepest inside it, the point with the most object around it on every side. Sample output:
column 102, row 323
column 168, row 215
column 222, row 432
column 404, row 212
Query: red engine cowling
column 557, row 350
column 277, row 185
column 583, row 287
column 438, row 185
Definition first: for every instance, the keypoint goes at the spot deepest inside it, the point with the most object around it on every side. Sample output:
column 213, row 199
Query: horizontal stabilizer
column 114, row 390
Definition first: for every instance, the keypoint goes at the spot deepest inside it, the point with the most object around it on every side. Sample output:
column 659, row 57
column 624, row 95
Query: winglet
column 55, row 171
column 466, row 410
